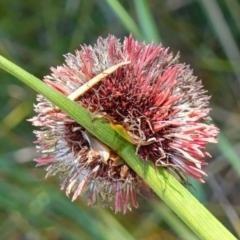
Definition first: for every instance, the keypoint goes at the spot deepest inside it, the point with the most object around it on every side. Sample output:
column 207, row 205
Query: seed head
column 156, row 100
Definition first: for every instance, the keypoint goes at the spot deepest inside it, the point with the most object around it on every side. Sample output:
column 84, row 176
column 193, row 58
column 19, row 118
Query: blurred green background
column 36, row 34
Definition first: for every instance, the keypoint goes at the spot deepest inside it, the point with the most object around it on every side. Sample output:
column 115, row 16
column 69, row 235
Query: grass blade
column 125, row 18
column 146, row 21
column 197, row 217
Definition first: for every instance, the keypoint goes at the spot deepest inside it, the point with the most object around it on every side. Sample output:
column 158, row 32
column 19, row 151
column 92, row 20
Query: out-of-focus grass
column 30, row 198
column 36, row 35
column 146, row 21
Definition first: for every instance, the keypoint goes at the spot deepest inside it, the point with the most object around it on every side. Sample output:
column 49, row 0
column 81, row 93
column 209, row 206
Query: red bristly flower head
column 156, row 100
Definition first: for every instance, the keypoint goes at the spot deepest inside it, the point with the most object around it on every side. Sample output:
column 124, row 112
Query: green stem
column 193, row 213
column 146, row 21
column 125, row 18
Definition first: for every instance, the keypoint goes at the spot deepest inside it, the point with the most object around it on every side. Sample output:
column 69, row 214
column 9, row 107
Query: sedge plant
column 117, row 119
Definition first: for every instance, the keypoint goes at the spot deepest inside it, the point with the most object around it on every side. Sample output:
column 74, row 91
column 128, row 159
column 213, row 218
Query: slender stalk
column 125, row 18
column 193, row 213
column 146, row 21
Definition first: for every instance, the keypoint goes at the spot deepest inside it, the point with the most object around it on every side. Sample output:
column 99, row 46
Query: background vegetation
column 35, row 35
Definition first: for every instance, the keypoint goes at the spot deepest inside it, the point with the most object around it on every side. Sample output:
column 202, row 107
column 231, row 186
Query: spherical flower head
column 156, row 100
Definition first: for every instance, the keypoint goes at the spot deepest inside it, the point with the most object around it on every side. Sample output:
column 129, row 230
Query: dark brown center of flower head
column 159, row 104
